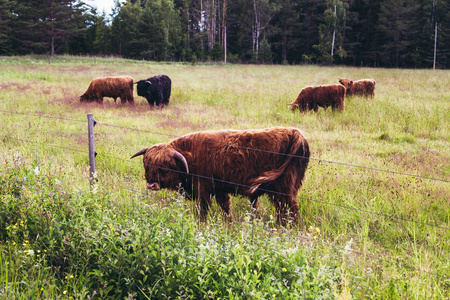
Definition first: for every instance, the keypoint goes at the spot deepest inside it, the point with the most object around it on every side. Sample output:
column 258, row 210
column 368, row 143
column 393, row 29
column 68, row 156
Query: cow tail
column 299, row 150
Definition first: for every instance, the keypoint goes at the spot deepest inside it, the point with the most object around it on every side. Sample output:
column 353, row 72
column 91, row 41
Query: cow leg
column 224, row 201
column 287, row 209
column 203, row 202
column 99, row 97
column 130, row 99
column 150, row 101
column 159, row 100
column 254, row 203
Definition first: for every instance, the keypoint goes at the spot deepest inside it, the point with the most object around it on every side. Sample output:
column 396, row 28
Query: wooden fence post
column 92, row 153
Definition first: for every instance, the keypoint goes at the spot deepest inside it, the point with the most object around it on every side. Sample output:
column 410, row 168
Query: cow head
column 142, row 87
column 164, row 167
column 293, row 106
column 85, row 98
column 300, row 103
column 349, row 85
column 345, row 82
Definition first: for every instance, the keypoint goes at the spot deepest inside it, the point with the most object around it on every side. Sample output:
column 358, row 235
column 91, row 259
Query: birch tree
column 330, row 32
column 263, row 12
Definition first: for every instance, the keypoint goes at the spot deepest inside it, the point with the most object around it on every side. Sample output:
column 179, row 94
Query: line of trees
column 379, row 33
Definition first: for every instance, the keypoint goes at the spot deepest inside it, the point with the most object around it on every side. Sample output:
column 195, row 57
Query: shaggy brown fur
column 362, row 87
column 311, row 97
column 114, row 87
column 251, row 163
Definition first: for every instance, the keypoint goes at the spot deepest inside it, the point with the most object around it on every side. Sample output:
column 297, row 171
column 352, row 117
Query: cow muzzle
column 153, row 186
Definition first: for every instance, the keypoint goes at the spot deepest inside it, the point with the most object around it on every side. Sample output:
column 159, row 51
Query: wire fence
column 237, row 184
column 239, row 147
column 247, row 186
column 282, row 154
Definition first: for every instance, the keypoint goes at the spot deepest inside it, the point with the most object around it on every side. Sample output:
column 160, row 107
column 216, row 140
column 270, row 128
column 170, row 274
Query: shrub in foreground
column 56, row 242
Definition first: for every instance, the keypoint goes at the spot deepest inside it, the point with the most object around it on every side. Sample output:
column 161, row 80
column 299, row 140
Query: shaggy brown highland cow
column 362, row 87
column 219, row 163
column 114, row 87
column 311, row 97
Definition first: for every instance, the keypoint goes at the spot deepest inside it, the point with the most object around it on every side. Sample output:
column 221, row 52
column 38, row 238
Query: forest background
column 374, row 33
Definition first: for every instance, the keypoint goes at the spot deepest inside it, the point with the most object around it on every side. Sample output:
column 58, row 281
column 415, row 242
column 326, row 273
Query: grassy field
column 374, row 209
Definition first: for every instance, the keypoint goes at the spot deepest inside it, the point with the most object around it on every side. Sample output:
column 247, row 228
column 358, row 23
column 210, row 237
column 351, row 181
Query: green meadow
column 374, row 209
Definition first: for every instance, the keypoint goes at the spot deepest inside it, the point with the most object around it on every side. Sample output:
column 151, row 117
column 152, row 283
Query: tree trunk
column 202, row 25
column 435, row 42
column 334, row 34
column 224, row 31
column 52, row 30
column 255, row 35
column 188, row 30
column 284, row 47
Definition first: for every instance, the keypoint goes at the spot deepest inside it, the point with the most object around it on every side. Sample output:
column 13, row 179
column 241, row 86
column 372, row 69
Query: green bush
column 87, row 246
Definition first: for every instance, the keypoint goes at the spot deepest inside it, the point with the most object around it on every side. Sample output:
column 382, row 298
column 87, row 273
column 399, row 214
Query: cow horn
column 140, row 152
column 180, row 157
column 148, row 82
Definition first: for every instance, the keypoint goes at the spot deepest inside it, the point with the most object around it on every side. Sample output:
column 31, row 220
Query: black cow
column 155, row 89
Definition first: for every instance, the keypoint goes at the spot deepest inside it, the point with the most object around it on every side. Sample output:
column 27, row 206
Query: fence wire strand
column 283, row 154
column 44, row 144
column 41, row 116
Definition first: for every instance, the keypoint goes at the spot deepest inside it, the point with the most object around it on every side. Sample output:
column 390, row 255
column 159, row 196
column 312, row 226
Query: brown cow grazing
column 311, row 97
column 251, row 163
column 114, row 87
column 362, row 87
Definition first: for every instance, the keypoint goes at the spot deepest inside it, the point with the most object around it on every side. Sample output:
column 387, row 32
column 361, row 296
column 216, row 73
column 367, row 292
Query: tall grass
column 363, row 232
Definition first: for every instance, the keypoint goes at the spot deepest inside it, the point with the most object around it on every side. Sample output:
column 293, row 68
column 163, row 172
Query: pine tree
column 6, row 17
column 102, row 42
column 285, row 25
column 309, row 35
column 398, row 25
column 265, row 52
column 45, row 26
